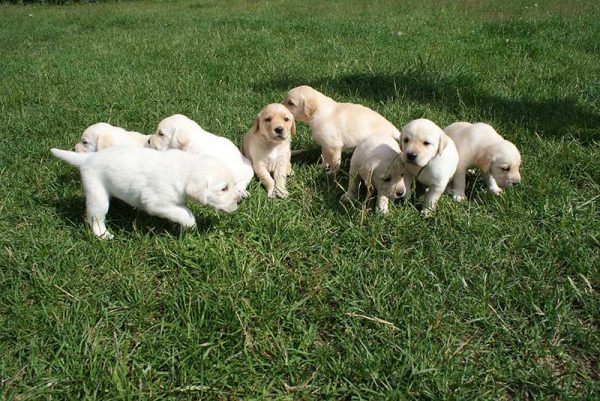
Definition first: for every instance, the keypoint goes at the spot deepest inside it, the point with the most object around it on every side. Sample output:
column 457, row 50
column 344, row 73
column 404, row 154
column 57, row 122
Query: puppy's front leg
column 382, row 204
column 492, row 185
column 97, row 202
column 431, row 200
column 353, row 181
column 408, row 183
column 458, row 186
column 281, row 172
column 265, row 178
column 332, row 157
column 178, row 214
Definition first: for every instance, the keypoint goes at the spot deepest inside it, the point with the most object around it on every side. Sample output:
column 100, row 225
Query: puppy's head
column 95, row 138
column 172, row 133
column 503, row 162
column 302, row 102
column 212, row 184
column 421, row 140
column 274, row 123
column 387, row 174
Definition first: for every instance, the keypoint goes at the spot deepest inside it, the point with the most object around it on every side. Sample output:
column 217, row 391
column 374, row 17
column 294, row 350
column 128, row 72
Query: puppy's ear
column 401, row 142
column 255, row 124
column 104, row 140
column 180, row 139
column 484, row 161
column 197, row 190
column 310, row 106
column 367, row 173
column 443, row 143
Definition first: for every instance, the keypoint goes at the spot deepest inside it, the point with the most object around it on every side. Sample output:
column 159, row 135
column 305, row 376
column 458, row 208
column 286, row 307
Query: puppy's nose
column 411, row 156
column 400, row 194
column 148, row 141
column 516, row 182
column 239, row 200
column 278, row 130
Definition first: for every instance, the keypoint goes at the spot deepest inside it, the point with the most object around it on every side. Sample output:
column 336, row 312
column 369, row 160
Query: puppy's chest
column 277, row 155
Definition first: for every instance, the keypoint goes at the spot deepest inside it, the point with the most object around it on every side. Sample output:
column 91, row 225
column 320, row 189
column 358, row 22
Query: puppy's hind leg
column 332, row 157
column 97, row 201
column 457, row 187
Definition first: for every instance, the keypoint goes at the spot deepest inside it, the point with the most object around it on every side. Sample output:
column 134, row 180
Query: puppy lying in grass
column 335, row 126
column 378, row 161
column 180, row 132
column 431, row 157
column 157, row 182
column 268, row 146
column 100, row 136
column 480, row 145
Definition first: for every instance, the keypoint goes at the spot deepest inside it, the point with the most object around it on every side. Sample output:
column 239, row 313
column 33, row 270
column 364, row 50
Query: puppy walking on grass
column 157, row 182
column 268, row 146
column 335, row 126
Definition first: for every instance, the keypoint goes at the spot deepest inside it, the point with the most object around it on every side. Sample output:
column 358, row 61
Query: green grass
column 303, row 298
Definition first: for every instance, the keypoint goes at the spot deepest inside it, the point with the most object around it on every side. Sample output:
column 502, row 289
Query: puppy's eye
column 405, row 140
column 225, row 188
column 387, row 179
column 291, row 103
column 268, row 119
column 286, row 119
column 426, row 143
column 160, row 133
column 83, row 141
column 507, row 168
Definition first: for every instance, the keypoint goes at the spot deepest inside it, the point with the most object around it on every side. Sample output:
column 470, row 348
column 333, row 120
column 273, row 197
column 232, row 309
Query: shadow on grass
column 554, row 118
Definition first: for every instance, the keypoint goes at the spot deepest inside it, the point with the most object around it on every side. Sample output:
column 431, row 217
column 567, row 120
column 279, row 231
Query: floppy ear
column 310, row 106
column 197, row 189
column 180, row 139
column 484, row 161
column 401, row 142
column 255, row 125
column 366, row 173
column 104, row 140
column 443, row 143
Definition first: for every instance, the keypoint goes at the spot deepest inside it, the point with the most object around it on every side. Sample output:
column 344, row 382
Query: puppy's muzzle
column 400, row 194
column 411, row 157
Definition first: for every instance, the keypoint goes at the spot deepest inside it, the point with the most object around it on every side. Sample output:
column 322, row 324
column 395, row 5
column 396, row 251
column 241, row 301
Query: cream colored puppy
column 431, row 157
column 100, row 136
column 268, row 146
column 378, row 161
column 479, row 145
column 180, row 132
column 335, row 126
column 157, row 182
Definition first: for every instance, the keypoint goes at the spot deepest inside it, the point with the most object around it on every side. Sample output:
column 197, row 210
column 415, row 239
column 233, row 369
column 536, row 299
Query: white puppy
column 378, row 161
column 157, row 182
column 480, row 145
column 100, row 136
column 180, row 132
column 268, row 146
column 431, row 157
column 335, row 126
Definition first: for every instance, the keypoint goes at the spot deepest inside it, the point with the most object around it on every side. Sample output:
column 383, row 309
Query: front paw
column 383, row 210
column 106, row 236
column 459, row 197
column 426, row 212
column 244, row 193
column 347, row 197
column 281, row 192
column 496, row 191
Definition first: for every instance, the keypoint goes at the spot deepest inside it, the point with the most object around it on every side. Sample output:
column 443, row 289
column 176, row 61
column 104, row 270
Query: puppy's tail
column 75, row 159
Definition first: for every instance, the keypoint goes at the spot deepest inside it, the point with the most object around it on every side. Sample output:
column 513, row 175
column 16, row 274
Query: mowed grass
column 303, row 298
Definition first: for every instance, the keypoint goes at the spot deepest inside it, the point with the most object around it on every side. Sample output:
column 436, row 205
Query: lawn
column 303, row 298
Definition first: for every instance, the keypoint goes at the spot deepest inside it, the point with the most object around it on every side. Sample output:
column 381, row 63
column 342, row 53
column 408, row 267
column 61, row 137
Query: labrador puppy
column 479, row 145
column 431, row 157
column 157, row 182
column 268, row 146
column 100, row 136
column 180, row 132
column 378, row 161
column 335, row 126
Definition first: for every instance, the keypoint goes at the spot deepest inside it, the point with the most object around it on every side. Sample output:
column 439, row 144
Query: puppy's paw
column 383, row 210
column 271, row 193
column 426, row 212
column 106, row 236
column 290, row 172
column 281, row 193
column 496, row 191
column 347, row 197
column 459, row 197
column 244, row 193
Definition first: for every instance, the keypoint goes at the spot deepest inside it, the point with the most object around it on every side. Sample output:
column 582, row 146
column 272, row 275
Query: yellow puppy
column 268, row 146
column 481, row 146
column 378, row 161
column 100, row 136
column 335, row 126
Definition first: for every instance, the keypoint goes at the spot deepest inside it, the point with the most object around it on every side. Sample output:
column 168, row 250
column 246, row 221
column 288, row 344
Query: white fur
column 157, row 182
column 378, row 161
column 479, row 145
column 101, row 136
column 180, row 132
column 435, row 159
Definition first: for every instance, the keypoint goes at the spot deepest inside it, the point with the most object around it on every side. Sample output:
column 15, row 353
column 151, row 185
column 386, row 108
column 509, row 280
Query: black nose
column 148, row 141
column 515, row 183
column 400, row 194
column 239, row 201
column 411, row 156
column 278, row 130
